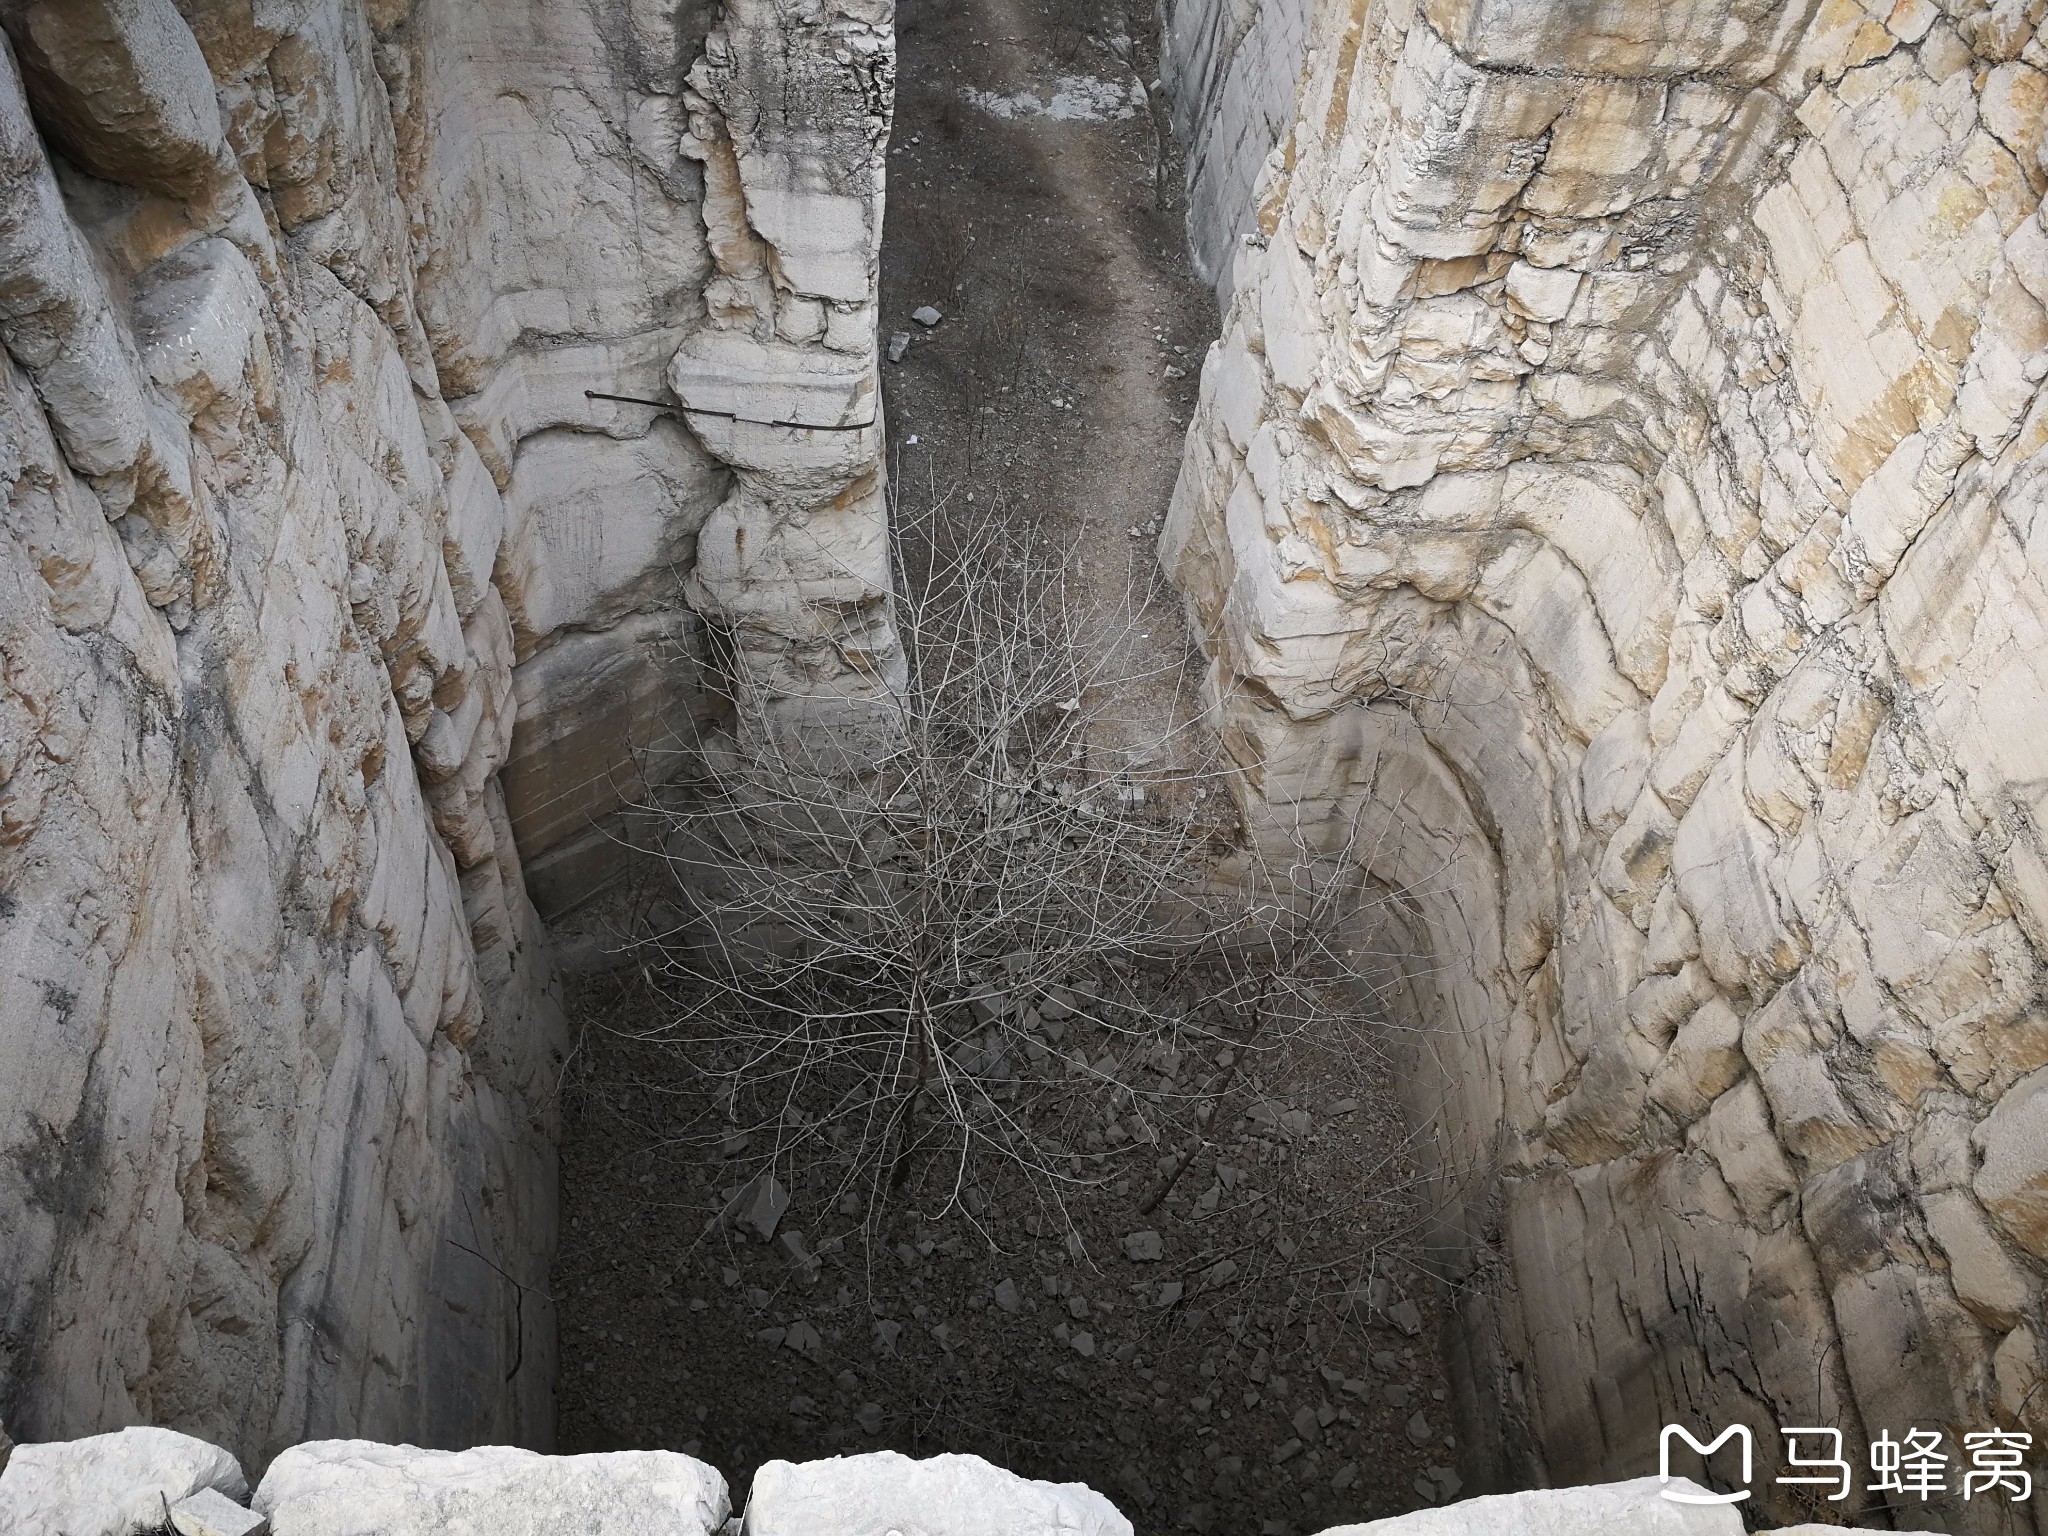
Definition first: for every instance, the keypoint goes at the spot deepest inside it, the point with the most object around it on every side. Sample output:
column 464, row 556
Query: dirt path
column 1270, row 1369
column 1022, row 205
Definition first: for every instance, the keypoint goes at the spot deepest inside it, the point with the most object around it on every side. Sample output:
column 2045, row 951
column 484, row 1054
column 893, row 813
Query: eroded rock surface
column 359, row 1488
column 1616, row 505
column 334, row 608
column 111, row 1485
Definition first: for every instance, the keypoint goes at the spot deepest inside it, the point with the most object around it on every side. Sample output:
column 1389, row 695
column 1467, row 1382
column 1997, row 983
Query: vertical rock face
column 1233, row 68
column 1616, row 503
column 332, row 606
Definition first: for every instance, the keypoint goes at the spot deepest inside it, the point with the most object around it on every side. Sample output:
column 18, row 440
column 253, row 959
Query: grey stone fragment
column 1419, row 1428
column 212, row 1513
column 1007, row 1296
column 804, row 1339
column 1133, row 1483
column 1405, row 1316
column 1143, row 1247
column 926, row 315
column 762, row 1204
column 899, row 345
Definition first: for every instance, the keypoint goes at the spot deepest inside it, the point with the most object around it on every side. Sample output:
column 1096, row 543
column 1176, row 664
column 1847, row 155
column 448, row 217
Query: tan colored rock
column 1988, row 1280
column 1704, row 1061
column 2013, row 1180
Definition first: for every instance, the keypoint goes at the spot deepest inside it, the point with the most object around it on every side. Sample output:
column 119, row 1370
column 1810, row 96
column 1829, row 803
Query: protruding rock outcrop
column 789, row 116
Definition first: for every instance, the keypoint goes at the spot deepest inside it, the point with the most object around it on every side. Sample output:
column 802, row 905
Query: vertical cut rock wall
column 1616, row 508
column 332, row 610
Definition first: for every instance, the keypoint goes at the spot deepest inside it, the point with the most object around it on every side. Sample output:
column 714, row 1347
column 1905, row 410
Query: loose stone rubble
column 358, row 1488
column 1615, row 504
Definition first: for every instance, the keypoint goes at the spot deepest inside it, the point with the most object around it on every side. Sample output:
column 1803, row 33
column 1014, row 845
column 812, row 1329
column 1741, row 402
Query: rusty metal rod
column 733, row 416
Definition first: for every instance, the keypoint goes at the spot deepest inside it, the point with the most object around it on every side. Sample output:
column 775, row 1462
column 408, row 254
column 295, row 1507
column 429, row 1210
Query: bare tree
column 1000, row 937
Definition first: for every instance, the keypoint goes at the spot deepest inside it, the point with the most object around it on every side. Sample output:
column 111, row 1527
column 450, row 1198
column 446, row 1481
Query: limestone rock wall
column 334, row 610
column 1230, row 68
column 1615, row 515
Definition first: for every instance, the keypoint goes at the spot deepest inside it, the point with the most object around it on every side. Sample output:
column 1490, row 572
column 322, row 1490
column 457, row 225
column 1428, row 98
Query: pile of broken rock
column 145, row 1482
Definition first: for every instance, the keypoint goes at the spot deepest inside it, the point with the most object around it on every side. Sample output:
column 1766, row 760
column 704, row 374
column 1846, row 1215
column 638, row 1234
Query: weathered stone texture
column 1615, row 503
column 358, row 1488
column 1229, row 72
column 332, row 608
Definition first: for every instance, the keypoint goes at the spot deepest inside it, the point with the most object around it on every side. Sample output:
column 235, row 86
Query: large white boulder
column 1601, row 1509
column 111, row 1485
column 887, row 1494
column 360, row 1488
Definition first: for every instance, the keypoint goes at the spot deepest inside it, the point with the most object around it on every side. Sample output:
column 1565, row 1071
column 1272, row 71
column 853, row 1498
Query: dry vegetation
column 1083, row 1145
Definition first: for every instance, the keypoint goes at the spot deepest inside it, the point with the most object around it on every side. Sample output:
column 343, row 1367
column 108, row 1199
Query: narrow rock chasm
column 1273, row 1365
column 449, row 451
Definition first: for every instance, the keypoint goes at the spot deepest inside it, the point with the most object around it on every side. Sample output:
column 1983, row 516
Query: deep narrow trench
column 1273, row 1368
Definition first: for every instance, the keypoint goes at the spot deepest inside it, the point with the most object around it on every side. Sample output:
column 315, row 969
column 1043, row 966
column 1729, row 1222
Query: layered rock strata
column 336, row 607
column 1615, row 517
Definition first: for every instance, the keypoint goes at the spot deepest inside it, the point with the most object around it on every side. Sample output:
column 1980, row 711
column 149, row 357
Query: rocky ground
column 1256, row 1353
